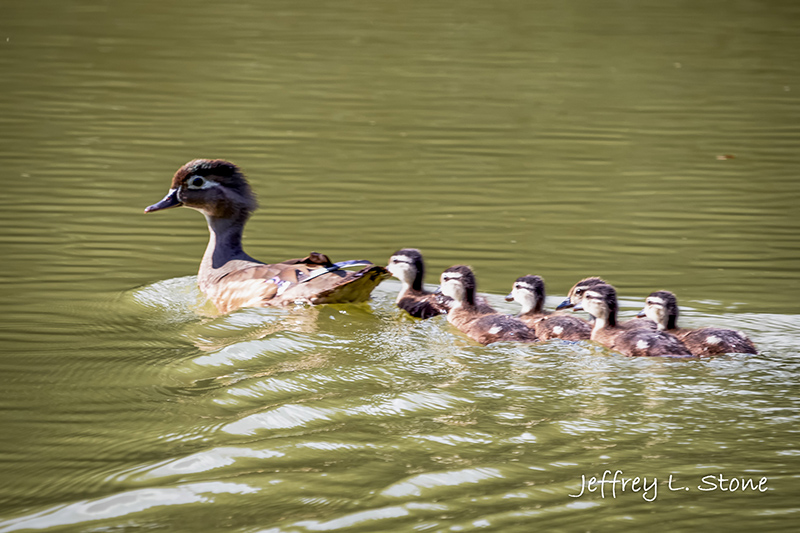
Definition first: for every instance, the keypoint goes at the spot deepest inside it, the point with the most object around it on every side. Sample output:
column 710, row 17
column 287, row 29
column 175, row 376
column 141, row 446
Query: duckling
column 662, row 307
column 529, row 292
column 407, row 266
column 458, row 282
column 600, row 301
column 575, row 294
column 575, row 297
column 231, row 278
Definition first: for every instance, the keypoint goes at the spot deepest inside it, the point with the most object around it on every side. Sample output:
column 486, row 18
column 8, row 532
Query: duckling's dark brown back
column 649, row 343
column 499, row 328
column 716, row 341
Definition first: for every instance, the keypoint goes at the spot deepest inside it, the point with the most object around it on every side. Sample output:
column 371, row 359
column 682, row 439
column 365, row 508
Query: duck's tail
column 346, row 287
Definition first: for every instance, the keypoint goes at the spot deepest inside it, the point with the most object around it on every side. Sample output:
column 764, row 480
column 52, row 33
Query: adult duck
column 231, row 278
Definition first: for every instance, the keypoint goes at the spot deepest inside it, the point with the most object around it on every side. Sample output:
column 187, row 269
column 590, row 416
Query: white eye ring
column 199, row 182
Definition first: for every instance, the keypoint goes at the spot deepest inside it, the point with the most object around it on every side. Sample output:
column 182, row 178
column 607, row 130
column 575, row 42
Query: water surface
column 550, row 138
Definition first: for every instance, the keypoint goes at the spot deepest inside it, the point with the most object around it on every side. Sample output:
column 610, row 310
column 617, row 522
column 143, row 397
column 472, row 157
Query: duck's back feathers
column 638, row 323
column 496, row 327
column 715, row 341
column 569, row 328
column 423, row 304
column 647, row 343
column 237, row 284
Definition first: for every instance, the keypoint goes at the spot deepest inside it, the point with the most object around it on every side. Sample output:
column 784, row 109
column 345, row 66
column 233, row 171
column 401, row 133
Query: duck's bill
column 510, row 297
column 564, row 305
column 641, row 314
column 170, row 200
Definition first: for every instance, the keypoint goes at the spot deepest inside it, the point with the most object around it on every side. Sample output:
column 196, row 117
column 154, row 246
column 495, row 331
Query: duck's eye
column 196, row 182
column 578, row 291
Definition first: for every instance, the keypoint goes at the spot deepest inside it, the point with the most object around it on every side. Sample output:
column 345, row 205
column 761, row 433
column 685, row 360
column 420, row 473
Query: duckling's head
column 458, row 282
column 577, row 291
column 215, row 187
column 407, row 266
column 600, row 301
column 662, row 308
column 529, row 292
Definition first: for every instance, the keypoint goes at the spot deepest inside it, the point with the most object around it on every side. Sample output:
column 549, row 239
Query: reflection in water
column 558, row 139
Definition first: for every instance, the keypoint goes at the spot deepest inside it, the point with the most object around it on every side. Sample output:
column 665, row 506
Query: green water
column 563, row 139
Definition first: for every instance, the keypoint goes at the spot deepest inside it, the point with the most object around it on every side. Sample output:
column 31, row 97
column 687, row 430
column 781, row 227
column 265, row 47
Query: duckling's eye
column 196, row 182
column 578, row 291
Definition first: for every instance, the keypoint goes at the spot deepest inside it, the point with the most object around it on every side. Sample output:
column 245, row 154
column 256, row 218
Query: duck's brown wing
column 340, row 286
column 496, row 327
column 285, row 283
column 648, row 343
column 716, row 341
column 566, row 327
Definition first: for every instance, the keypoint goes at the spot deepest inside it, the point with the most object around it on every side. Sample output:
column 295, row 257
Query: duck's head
column 577, row 291
column 215, row 187
column 600, row 301
column 458, row 282
column 529, row 292
column 407, row 266
column 662, row 308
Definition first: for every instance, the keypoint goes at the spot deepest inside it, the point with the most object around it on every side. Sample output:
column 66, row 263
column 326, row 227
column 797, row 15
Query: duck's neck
column 530, row 305
column 224, row 244
column 458, row 304
column 600, row 323
column 409, row 283
column 403, row 290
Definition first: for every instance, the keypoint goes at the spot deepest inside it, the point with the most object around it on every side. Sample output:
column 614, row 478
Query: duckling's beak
column 564, row 305
column 170, row 200
column 641, row 314
column 510, row 297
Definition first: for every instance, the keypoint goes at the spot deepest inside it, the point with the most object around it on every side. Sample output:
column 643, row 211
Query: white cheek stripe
column 655, row 300
column 452, row 275
column 525, row 286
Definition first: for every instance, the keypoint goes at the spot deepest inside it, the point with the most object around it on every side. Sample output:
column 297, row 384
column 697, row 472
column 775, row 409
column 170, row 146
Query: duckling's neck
column 408, row 283
column 530, row 305
column 224, row 244
column 403, row 290
column 459, row 304
column 600, row 322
